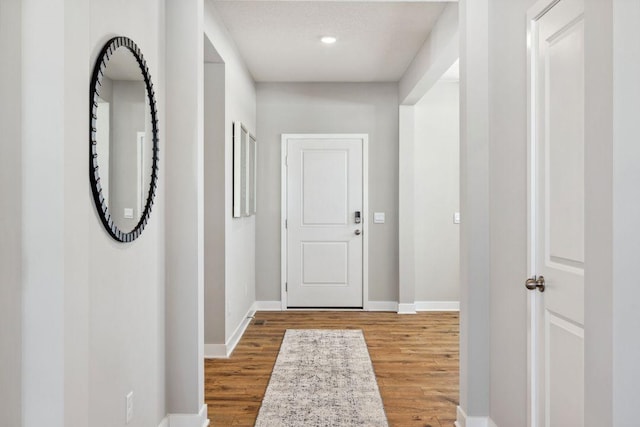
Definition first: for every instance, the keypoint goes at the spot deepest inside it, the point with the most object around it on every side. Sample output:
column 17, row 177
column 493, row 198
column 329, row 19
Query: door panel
column 333, row 268
column 324, row 187
column 565, row 144
column 565, row 378
column 324, row 179
column 558, row 211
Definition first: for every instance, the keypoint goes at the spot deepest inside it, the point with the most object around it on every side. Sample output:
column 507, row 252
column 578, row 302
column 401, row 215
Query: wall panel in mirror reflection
column 253, row 175
column 244, row 171
column 123, row 155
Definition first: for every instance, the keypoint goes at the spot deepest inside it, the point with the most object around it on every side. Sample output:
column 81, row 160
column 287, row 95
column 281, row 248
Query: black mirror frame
column 94, row 176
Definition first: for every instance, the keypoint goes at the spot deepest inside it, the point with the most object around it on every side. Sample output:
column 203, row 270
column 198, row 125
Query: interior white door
column 324, row 185
column 557, row 237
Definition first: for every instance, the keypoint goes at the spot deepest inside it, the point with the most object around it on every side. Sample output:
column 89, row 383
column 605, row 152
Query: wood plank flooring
column 415, row 358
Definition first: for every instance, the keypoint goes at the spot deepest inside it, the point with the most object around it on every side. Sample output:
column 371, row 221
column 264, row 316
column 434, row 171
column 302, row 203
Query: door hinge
column 286, row 286
column 286, row 160
column 286, row 223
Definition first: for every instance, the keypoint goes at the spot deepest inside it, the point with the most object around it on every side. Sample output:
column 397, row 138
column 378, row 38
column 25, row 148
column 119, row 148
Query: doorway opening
column 430, row 198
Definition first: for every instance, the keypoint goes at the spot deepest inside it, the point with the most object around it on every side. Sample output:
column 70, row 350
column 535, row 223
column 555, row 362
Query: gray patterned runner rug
column 322, row 378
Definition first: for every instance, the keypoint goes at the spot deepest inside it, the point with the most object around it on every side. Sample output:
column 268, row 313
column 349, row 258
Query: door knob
column 358, row 232
column 535, row 283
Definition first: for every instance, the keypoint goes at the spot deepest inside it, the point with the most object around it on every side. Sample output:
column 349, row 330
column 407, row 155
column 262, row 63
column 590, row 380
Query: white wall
column 240, row 234
column 508, row 155
column 94, row 307
column 184, row 208
column 126, row 305
column 612, row 61
column 437, row 194
column 439, row 51
column 330, row 108
column 10, row 214
column 406, row 209
column 626, row 205
column 475, row 279
column 600, row 230
column 214, row 203
column 43, row 240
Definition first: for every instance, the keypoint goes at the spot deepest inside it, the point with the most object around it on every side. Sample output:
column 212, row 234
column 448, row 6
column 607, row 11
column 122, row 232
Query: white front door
column 557, row 212
column 324, row 220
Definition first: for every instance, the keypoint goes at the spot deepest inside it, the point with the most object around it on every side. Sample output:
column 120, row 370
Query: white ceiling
column 280, row 40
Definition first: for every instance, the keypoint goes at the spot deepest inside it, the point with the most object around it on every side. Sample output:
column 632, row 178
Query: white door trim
column 534, row 298
column 532, row 324
column 365, row 209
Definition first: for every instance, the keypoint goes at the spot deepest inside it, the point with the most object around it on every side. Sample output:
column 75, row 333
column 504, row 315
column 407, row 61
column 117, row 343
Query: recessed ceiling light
column 328, row 39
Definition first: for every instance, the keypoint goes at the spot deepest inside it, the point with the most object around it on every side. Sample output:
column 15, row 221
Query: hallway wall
column 214, row 203
column 508, row 209
column 126, row 295
column 93, row 309
column 626, row 235
column 329, row 108
column 437, row 194
column 10, row 214
column 240, row 233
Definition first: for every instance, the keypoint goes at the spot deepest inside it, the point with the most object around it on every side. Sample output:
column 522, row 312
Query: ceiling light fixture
column 328, row 39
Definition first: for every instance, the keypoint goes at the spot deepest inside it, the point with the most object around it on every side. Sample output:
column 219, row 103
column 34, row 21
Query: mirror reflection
column 124, row 145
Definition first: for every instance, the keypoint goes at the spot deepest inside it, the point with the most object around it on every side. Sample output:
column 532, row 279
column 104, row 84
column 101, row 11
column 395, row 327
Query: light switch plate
column 128, row 213
column 456, row 218
column 378, row 217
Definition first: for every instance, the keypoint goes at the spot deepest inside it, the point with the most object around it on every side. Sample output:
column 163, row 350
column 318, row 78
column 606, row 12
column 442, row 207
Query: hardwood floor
column 415, row 358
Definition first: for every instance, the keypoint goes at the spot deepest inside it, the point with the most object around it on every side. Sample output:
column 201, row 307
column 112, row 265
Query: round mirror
column 123, row 155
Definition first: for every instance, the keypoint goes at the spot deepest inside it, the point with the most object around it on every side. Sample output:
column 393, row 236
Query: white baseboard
column 223, row 351
column 371, row 306
column 406, row 308
column 186, row 420
column 237, row 334
column 464, row 421
column 215, row 351
column 383, row 306
column 268, row 306
column 437, row 305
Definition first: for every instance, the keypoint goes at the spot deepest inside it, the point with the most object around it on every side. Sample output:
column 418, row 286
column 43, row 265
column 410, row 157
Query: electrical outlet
column 129, row 407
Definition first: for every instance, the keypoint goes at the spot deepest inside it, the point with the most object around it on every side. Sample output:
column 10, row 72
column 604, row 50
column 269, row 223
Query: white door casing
column 556, row 212
column 323, row 248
